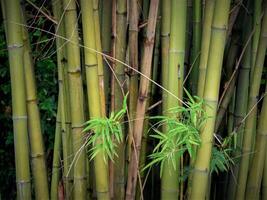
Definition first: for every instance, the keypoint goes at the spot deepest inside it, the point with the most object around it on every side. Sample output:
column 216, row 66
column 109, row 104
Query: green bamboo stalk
column 195, row 46
column 142, row 100
column 65, row 101
column 106, row 44
column 76, row 98
column 56, row 166
column 205, row 43
column 211, row 93
column 189, row 30
column 120, row 53
column 257, row 12
column 225, row 103
column 252, row 109
column 232, row 54
column 39, row 169
column 169, row 181
column 165, row 40
column 100, row 66
column 257, row 164
column 93, row 93
column 241, row 101
column 18, row 91
column 233, row 17
column 264, row 181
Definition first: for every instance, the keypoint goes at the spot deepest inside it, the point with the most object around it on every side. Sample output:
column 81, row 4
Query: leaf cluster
column 221, row 161
column 106, row 133
column 181, row 133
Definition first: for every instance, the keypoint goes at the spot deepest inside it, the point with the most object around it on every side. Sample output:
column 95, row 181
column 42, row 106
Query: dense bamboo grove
column 157, row 99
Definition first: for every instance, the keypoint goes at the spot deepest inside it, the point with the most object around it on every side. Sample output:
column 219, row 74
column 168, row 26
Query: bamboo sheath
column 211, row 92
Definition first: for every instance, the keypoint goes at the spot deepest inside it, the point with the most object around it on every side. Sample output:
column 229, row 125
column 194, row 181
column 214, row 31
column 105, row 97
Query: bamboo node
column 37, row 155
column 14, row 46
column 218, row 28
column 20, row 117
column 202, row 171
column 176, row 51
column 22, row 182
column 91, row 65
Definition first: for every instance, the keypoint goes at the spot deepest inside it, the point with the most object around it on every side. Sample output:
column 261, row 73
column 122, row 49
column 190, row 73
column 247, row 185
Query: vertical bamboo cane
column 106, row 44
column 34, row 125
column 56, row 154
column 241, row 101
column 142, row 100
column 195, row 45
column 165, row 40
column 18, row 91
column 257, row 164
column 251, row 118
column 100, row 66
column 93, row 92
column 257, row 25
column 169, row 181
column 64, row 100
column 211, row 93
column 76, row 98
column 205, row 43
column 120, row 53
column 133, row 60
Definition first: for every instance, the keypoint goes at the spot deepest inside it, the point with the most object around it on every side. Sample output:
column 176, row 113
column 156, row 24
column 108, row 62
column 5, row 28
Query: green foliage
column 103, row 133
column 220, row 159
column 182, row 126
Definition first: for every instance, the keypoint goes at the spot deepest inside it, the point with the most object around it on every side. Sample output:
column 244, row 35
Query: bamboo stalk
column 241, row 101
column 211, row 93
column 119, row 84
column 142, row 100
column 56, row 166
column 39, row 169
column 205, row 44
column 18, row 91
column 100, row 66
column 257, row 164
column 169, row 180
column 165, row 40
column 76, row 98
column 264, row 181
column 106, row 44
column 133, row 61
column 93, row 93
column 251, row 118
column 225, row 103
column 195, row 46
column 257, row 26
column 64, row 100
column 151, row 94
